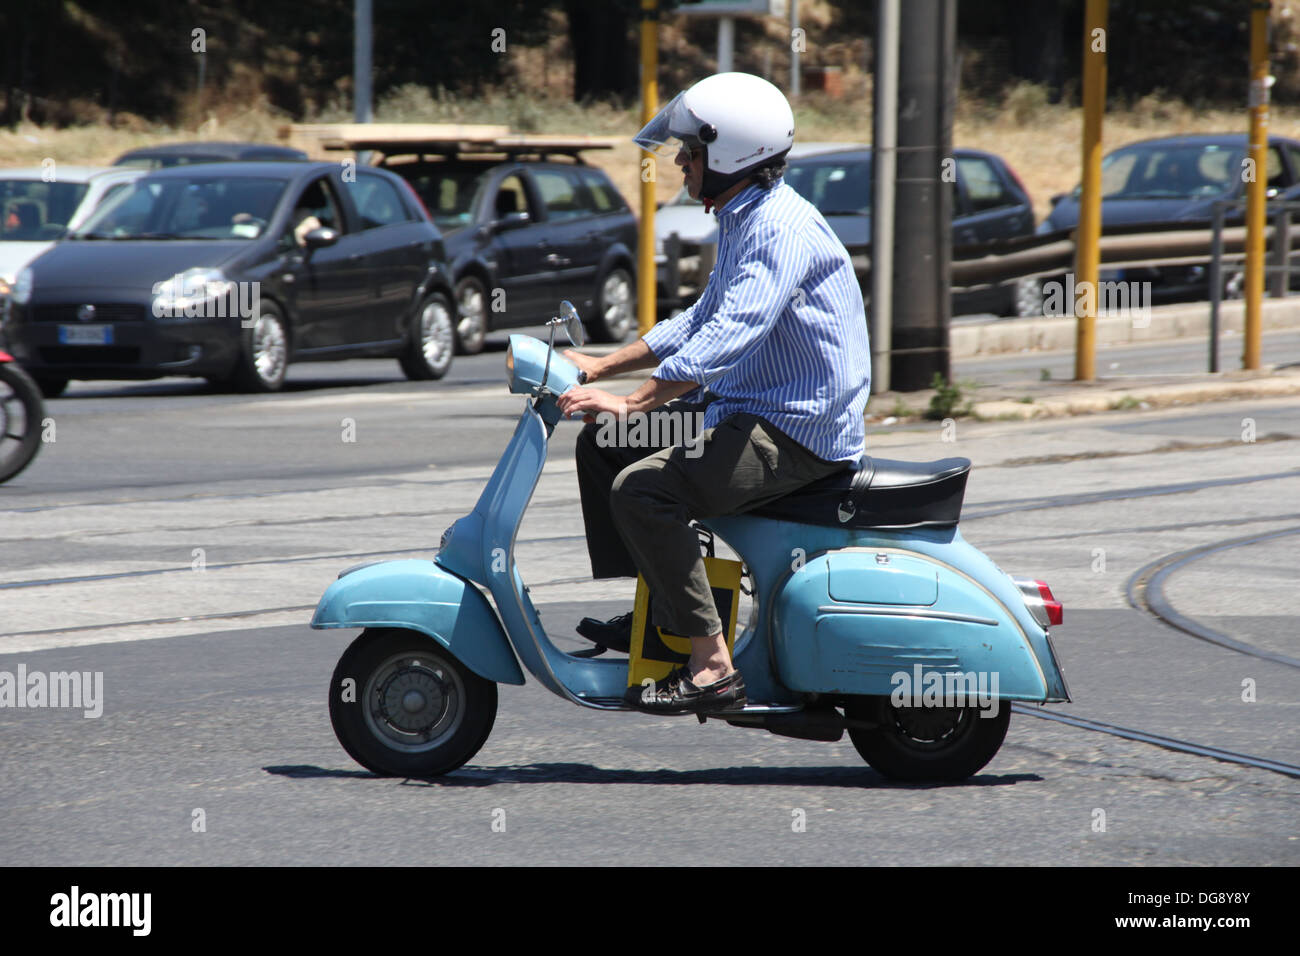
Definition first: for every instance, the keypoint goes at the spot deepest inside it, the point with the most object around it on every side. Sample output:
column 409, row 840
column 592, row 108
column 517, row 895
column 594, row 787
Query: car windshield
column 36, row 211
column 1170, row 171
column 836, row 186
column 448, row 191
column 194, row 207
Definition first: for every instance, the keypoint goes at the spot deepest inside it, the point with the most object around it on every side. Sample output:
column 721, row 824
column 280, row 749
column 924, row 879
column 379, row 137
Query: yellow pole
column 645, row 268
column 1087, row 261
column 1256, row 183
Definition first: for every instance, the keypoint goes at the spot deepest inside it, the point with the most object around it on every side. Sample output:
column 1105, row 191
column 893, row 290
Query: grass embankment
column 1040, row 141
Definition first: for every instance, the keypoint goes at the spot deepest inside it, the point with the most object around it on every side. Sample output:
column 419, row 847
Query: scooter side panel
column 421, row 596
column 833, row 633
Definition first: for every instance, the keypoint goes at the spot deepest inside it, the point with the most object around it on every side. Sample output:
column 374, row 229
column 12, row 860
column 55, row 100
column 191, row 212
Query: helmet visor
column 672, row 128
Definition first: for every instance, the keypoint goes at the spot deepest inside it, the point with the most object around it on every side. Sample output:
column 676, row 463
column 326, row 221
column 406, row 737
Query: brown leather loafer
column 677, row 694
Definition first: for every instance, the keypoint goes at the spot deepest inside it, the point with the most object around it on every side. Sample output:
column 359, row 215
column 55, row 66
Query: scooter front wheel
column 402, row 706
column 926, row 743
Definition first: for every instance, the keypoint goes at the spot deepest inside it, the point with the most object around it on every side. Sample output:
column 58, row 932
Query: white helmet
column 742, row 121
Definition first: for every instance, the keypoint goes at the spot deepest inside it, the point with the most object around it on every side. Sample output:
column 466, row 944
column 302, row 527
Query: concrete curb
column 1276, row 385
column 1188, row 320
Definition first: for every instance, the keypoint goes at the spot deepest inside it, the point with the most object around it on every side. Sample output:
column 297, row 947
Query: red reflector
column 1055, row 611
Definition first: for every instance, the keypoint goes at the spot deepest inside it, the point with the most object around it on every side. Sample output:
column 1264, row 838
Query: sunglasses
column 691, row 153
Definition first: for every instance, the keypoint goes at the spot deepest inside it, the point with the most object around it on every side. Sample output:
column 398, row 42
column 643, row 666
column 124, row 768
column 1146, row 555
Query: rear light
column 1055, row 612
column 1042, row 604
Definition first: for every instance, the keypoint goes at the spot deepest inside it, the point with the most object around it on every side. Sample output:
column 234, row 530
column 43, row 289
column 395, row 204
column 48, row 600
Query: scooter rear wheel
column 402, row 706
column 926, row 743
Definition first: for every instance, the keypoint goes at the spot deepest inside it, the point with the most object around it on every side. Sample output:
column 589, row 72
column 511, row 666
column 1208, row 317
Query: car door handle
column 553, row 260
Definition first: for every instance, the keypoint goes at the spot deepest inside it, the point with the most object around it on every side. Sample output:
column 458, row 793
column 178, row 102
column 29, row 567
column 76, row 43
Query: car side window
column 511, row 197
column 1277, row 177
column 984, row 188
column 377, row 201
column 560, row 194
column 315, row 207
column 603, row 197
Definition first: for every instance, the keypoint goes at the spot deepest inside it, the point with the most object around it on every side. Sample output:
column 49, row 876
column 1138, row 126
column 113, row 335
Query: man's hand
column 590, row 402
column 593, row 365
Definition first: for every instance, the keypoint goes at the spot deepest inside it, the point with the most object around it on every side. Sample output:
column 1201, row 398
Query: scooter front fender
column 421, row 596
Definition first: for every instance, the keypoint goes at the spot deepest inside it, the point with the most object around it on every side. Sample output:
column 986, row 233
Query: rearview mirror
column 572, row 324
column 512, row 220
column 320, row 237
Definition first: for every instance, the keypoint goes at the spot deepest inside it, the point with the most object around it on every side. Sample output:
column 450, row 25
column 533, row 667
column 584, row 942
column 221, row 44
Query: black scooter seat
column 879, row 493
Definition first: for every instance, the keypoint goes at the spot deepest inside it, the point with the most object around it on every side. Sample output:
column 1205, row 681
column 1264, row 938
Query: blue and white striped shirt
column 780, row 330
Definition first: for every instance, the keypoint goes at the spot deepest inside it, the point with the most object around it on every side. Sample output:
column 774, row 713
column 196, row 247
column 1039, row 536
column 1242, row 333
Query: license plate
column 85, row 335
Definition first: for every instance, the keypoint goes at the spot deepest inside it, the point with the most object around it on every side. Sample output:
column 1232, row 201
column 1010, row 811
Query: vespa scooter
column 871, row 615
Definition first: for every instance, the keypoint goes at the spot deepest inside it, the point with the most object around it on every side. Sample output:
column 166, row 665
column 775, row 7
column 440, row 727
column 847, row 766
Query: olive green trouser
column 744, row 462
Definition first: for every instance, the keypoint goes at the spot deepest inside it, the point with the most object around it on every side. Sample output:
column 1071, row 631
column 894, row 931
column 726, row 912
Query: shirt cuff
column 662, row 340
column 678, row 368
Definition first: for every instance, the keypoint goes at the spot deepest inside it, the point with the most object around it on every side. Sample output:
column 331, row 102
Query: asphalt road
column 175, row 540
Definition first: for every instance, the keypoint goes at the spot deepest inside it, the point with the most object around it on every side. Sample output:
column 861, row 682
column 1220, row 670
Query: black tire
column 263, row 352
column 51, row 386
column 21, row 413
column 381, row 727
column 615, row 313
column 472, row 316
column 926, row 743
column 431, row 341
column 1026, row 299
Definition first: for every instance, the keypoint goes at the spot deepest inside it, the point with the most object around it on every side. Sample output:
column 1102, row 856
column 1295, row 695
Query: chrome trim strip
column 904, row 612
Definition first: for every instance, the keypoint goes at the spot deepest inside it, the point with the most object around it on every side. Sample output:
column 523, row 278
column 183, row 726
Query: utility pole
column 884, row 141
column 1087, row 252
column 1256, row 197
column 645, row 262
column 922, row 301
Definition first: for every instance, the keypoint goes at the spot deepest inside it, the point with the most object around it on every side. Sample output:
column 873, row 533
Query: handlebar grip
column 582, row 378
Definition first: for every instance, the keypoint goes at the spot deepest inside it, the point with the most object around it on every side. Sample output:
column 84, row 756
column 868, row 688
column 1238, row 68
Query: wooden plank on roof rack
column 400, row 138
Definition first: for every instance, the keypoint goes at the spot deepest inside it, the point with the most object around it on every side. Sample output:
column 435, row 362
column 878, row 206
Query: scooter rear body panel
column 833, row 618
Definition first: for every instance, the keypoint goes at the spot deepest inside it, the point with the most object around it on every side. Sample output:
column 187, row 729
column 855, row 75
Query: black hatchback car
column 231, row 271
column 522, row 233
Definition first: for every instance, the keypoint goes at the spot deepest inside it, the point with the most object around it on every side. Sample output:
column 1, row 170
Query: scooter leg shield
column 422, row 596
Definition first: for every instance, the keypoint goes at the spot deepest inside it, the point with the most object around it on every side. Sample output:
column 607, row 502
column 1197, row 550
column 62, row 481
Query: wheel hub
column 413, row 699
column 925, row 725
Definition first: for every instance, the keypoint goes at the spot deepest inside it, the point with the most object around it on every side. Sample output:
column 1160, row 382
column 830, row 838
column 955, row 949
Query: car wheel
column 472, row 320
column 263, row 352
column 1027, row 298
column 432, row 340
column 615, row 307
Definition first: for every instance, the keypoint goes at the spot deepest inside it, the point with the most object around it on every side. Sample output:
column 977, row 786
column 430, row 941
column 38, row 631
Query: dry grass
column 1040, row 141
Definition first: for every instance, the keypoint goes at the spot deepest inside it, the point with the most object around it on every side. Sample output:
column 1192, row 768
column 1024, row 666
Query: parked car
column 522, row 233
column 183, row 154
column 231, row 271
column 37, row 210
column 1171, row 180
column 989, row 202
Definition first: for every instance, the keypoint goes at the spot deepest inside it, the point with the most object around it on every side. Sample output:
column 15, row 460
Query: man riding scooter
column 778, row 339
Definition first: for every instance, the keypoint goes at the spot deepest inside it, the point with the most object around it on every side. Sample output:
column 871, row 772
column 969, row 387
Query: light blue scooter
column 871, row 614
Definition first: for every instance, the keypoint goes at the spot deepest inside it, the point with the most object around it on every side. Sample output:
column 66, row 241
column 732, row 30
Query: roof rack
column 400, row 139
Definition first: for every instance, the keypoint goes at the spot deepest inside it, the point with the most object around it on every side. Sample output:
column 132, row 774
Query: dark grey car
column 522, row 234
column 1176, row 179
column 231, row 271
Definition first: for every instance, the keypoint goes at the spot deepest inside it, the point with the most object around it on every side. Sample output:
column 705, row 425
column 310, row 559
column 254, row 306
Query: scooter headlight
column 510, row 364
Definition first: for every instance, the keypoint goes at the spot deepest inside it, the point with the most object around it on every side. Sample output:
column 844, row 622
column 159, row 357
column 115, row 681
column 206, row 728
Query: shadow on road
column 856, row 777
